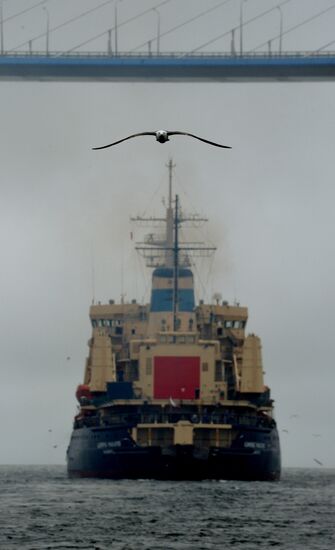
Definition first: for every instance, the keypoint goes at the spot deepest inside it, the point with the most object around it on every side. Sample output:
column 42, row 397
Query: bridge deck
column 173, row 67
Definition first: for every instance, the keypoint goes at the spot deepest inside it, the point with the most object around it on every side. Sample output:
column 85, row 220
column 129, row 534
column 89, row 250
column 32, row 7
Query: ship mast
column 175, row 266
column 169, row 219
column 165, row 249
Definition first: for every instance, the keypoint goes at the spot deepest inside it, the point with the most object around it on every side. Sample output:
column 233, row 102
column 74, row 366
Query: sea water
column 40, row 508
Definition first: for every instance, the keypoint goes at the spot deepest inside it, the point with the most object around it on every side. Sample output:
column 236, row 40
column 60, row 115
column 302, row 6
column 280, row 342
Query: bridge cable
column 133, row 18
column 325, row 46
column 22, row 12
column 183, row 24
column 238, row 26
column 296, row 26
column 67, row 22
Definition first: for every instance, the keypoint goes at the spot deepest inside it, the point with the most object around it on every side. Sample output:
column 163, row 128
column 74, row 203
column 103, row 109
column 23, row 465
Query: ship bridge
column 162, row 290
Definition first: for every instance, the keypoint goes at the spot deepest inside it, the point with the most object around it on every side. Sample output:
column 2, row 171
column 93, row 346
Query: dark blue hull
column 110, row 453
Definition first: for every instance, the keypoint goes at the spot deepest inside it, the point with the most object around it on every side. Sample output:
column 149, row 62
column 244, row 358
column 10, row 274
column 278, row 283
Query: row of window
column 106, row 323
column 118, row 323
column 176, row 339
column 234, row 324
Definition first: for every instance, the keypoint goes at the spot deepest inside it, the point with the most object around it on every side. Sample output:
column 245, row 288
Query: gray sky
column 65, row 208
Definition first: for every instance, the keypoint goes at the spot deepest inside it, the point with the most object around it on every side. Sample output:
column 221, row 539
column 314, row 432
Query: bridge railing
column 169, row 55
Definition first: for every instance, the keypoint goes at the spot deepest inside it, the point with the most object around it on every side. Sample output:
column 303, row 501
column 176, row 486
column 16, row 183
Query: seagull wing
column 197, row 137
column 124, row 139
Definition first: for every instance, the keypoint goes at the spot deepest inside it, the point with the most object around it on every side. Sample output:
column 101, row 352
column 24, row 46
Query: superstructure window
column 234, row 324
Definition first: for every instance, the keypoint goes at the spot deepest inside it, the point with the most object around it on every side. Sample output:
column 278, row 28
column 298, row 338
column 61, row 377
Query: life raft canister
column 83, row 390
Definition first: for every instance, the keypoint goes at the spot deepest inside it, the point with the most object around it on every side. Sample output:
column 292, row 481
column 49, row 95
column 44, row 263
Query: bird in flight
column 162, row 136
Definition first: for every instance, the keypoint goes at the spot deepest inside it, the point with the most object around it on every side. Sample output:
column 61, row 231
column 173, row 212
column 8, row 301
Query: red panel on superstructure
column 177, row 377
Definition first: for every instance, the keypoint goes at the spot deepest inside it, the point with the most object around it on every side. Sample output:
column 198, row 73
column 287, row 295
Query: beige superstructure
column 124, row 348
column 121, row 348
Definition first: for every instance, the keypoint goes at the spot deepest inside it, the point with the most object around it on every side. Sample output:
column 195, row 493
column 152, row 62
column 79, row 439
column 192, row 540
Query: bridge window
column 234, row 324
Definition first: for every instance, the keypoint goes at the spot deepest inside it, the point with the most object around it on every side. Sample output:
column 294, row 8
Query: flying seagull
column 162, row 136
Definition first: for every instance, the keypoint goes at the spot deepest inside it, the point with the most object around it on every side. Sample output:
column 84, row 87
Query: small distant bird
column 55, row 446
column 316, row 435
column 162, row 136
column 294, row 416
column 68, row 358
column 317, row 461
column 286, row 431
column 49, row 430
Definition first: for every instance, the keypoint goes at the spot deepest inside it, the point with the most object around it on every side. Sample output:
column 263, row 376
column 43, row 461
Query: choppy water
column 41, row 509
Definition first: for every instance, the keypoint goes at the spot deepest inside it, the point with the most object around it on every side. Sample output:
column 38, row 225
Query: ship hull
column 105, row 453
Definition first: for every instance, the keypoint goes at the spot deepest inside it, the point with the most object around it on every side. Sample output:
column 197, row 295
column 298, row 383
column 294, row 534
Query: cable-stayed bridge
column 148, row 61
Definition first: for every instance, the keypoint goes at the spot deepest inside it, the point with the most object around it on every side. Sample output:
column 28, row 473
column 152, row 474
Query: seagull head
column 162, row 136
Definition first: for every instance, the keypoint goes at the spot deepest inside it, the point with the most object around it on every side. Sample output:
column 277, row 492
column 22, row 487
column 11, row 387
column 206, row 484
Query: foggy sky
column 65, row 209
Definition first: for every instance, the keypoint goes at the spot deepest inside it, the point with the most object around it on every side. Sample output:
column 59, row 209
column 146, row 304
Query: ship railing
column 231, row 419
column 237, row 421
